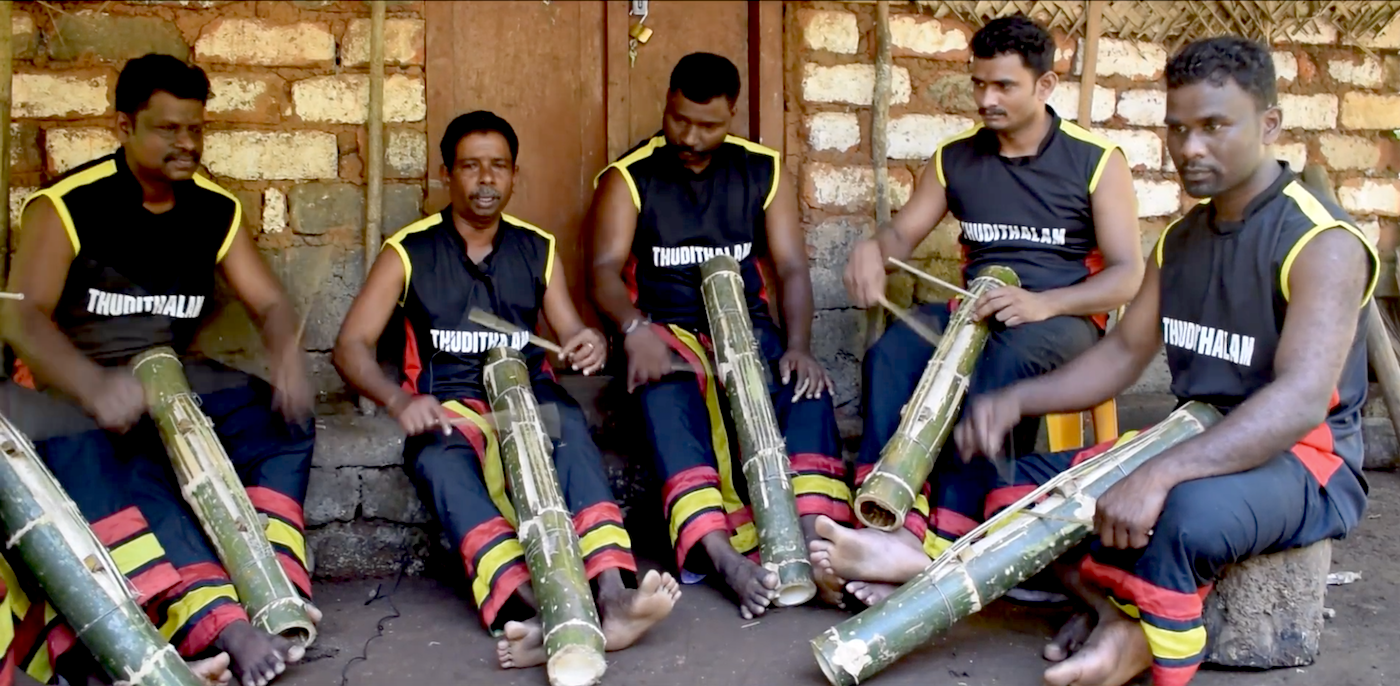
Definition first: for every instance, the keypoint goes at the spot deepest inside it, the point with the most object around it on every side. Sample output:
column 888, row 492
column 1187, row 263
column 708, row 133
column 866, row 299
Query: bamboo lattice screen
column 1174, row 23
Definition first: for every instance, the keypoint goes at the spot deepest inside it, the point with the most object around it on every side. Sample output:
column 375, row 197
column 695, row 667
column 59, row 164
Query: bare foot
column 829, row 586
column 866, row 554
column 257, row 657
column 214, row 671
column 1116, row 653
column 756, row 586
column 1071, row 637
column 628, row 615
column 522, row 646
column 870, row 592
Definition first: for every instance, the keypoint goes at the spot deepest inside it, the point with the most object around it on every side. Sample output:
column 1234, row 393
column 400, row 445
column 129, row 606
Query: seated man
column 691, row 192
column 1032, row 192
column 434, row 272
column 115, row 258
column 1255, row 293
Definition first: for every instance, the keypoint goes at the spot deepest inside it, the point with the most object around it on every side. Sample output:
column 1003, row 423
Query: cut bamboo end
column 576, row 665
column 834, row 675
column 795, row 586
column 876, row 515
column 883, row 501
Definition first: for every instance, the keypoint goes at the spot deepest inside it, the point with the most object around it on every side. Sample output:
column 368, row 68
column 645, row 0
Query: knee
column 1192, row 522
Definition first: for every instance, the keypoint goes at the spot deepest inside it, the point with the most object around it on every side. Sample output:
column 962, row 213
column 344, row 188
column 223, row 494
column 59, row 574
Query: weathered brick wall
column 1339, row 102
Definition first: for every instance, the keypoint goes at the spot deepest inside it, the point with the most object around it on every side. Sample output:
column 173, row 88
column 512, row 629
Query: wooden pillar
column 879, row 146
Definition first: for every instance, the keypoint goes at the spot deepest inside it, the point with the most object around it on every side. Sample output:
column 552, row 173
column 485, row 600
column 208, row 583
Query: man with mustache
column 688, row 193
column 115, row 258
column 1255, row 294
column 1032, row 192
column 427, row 279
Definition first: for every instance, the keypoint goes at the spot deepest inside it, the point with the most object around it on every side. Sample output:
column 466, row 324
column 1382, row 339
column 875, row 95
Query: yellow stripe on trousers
column 602, row 537
column 499, row 556
column 182, row 610
column 492, row 470
column 137, row 553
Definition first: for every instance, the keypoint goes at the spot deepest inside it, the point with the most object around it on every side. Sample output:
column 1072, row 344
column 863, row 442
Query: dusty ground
column 437, row 639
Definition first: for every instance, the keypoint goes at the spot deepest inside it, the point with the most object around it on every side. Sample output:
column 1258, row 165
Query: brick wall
column 1339, row 102
column 290, row 92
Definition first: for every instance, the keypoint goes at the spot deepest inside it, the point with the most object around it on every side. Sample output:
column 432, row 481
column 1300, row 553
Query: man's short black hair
column 479, row 121
column 1016, row 34
column 149, row 74
column 1214, row 60
column 703, row 76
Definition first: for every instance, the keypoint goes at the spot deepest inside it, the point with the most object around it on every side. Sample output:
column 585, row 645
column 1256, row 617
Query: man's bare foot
column 829, row 585
column 756, row 586
column 257, row 657
column 1071, row 637
column 522, row 646
column 870, row 592
column 866, row 554
column 214, row 671
column 1116, row 653
column 628, row 614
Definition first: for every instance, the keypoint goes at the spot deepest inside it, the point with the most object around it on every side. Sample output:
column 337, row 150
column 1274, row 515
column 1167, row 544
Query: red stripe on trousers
column 596, row 514
column 59, row 641
column 29, row 630
column 1315, row 452
column 816, row 462
column 154, row 581
column 412, row 363
column 470, row 430
column 684, row 481
column 817, row 504
column 955, row 523
column 686, row 354
column 1173, row 676
column 699, row 527
column 208, row 628
column 862, row 473
column 1155, row 600
column 118, row 527
column 509, row 582
column 603, row 560
column 479, row 536
column 1001, row 497
column 283, row 506
column 7, row 669
column 295, row 572
column 740, row 517
column 1094, row 451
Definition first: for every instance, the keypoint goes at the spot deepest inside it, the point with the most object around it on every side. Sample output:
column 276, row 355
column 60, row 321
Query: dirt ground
column 437, row 640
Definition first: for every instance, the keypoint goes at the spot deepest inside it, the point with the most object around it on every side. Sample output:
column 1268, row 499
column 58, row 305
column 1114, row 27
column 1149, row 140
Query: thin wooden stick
column 929, row 277
column 879, row 144
column 11, row 296
column 924, row 332
column 1091, row 63
column 491, row 321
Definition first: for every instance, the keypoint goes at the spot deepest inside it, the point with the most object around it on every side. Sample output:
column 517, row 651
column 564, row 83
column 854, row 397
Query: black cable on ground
column 379, row 626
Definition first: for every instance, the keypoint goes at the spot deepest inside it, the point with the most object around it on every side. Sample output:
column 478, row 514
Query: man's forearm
column 1101, row 293
column 892, row 243
column 357, row 365
column 278, row 324
column 1101, row 372
column 612, row 297
column 50, row 356
column 796, row 287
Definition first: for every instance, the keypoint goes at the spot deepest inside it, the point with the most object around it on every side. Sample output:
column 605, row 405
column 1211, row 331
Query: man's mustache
column 486, row 192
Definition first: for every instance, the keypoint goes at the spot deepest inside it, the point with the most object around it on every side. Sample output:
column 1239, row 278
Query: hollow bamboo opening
column 576, row 665
column 876, row 515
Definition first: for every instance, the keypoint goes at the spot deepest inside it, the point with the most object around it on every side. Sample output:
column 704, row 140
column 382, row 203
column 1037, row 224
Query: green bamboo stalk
column 998, row 555
column 573, row 639
column 743, row 372
column 76, row 572
column 926, row 420
column 212, row 488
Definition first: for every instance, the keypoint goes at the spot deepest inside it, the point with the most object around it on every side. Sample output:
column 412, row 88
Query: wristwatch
column 634, row 324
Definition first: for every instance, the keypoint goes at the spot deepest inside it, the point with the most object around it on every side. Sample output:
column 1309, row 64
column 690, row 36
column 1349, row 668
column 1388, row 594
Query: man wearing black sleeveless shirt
column 1255, row 293
column 1032, row 192
column 690, row 192
column 431, row 274
column 115, row 258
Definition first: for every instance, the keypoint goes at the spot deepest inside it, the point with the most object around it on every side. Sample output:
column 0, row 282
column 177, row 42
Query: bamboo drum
column 76, row 572
column 573, row 637
column 1005, row 551
column 926, row 420
column 216, row 494
column 743, row 372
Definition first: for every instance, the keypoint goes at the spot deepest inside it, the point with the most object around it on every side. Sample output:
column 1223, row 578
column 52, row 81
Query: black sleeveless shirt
column 1031, row 214
column 445, row 351
column 685, row 218
column 138, row 279
column 1224, row 297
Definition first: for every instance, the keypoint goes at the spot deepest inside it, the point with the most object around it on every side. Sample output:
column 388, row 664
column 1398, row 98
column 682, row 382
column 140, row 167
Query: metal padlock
column 640, row 32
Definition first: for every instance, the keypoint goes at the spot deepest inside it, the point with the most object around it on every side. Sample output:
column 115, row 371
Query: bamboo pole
column 880, row 146
column 743, row 372
column 1005, row 551
column 76, row 572
column 374, row 150
column 217, row 496
column 6, row 69
column 572, row 637
column 1091, row 62
column 926, row 420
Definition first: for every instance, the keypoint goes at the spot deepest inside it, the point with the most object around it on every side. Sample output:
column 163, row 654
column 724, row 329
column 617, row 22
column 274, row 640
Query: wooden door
column 559, row 73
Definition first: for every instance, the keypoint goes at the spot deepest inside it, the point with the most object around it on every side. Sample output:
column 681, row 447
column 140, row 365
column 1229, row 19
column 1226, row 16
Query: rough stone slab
column 114, row 38
column 388, row 494
column 332, row 495
column 24, row 148
column 318, row 208
column 403, row 205
column 1382, row 448
column 24, row 37
column 322, row 282
column 1267, row 611
column 362, row 549
column 351, row 440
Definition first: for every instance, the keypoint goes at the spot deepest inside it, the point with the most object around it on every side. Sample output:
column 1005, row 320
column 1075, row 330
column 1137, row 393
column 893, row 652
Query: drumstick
column 11, row 296
column 930, row 278
column 491, row 321
column 924, row 332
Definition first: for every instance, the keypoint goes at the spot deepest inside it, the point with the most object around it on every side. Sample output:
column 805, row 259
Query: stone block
column 942, row 242
column 1370, row 111
column 344, row 99
column 1285, row 65
column 318, row 208
column 953, row 94
column 1370, row 196
column 1143, row 107
column 356, row 550
column 1142, row 148
column 17, row 197
column 837, row 131
column 389, row 495
column 1312, row 112
column 24, row 36
column 322, row 282
column 1365, row 72
column 828, row 245
column 949, row 270
column 1295, row 154
column 353, row 440
column 922, row 36
column 24, row 148
column 1267, row 611
column 851, row 188
column 245, row 98
column 838, row 344
column 1382, row 448
column 1138, row 60
column 916, row 136
column 113, row 38
column 1157, row 198
column 404, row 42
column 68, row 148
column 1391, row 65
column 852, row 84
column 332, row 495
column 1065, row 100
column 406, row 154
column 830, row 31
column 267, row 155
column 59, row 96
column 274, row 219
column 263, row 43
column 1349, row 152
column 403, row 205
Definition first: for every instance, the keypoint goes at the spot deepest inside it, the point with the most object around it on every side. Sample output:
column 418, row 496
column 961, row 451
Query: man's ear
column 1271, row 124
column 126, row 125
column 1045, row 85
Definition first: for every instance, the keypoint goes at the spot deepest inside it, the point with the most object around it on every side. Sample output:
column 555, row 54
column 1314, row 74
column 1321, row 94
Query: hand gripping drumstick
column 929, row 277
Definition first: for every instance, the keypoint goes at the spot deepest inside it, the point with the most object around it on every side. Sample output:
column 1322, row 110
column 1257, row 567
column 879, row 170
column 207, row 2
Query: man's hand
column 291, row 388
column 586, row 351
column 118, row 402
column 811, row 376
column 985, row 424
column 420, row 414
column 648, row 357
column 1014, row 306
column 865, row 273
column 1126, row 513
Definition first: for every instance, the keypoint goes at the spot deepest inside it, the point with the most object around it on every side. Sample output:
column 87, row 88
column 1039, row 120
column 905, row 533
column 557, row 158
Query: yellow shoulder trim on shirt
column 56, row 192
column 549, row 238
column 762, row 150
column 938, row 152
column 396, row 242
column 207, row 184
column 627, row 160
column 1322, row 219
column 1083, row 134
column 1162, row 239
